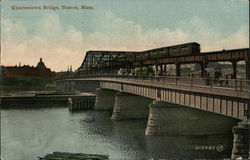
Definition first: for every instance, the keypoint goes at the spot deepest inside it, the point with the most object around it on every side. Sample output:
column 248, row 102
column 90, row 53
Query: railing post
column 241, row 85
column 235, row 84
column 192, row 82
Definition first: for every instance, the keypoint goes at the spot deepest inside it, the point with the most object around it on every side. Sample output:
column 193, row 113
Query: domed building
column 27, row 77
column 29, row 71
column 41, row 65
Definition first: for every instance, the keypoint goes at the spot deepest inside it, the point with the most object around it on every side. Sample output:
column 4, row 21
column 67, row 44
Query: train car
column 159, row 53
column 192, row 48
column 126, row 57
column 131, row 57
column 122, row 58
column 141, row 56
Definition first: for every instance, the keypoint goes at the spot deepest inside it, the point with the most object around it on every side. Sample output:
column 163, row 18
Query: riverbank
column 37, row 99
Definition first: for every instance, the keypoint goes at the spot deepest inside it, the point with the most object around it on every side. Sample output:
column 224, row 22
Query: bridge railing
column 237, row 84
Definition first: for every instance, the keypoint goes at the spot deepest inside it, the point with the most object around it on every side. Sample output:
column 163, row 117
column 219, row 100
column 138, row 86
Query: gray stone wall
column 129, row 106
column 105, row 99
column 241, row 140
column 171, row 119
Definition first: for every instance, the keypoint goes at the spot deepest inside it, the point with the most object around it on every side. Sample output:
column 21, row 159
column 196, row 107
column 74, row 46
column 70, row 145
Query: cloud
column 239, row 39
column 59, row 47
column 239, row 0
column 63, row 45
column 120, row 33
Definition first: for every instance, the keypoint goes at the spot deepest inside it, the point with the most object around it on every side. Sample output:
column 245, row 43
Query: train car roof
column 115, row 52
column 171, row 46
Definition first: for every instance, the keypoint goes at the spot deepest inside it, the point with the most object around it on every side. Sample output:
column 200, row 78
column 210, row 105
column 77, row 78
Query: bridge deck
column 232, row 100
column 235, row 89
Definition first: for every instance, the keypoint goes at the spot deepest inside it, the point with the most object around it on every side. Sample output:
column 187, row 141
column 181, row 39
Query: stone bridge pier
column 105, row 99
column 172, row 119
column 130, row 106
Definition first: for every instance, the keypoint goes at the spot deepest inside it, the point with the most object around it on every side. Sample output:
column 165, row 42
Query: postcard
column 124, row 80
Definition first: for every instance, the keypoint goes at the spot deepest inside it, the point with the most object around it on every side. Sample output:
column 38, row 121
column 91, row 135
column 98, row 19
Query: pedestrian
column 226, row 81
column 157, row 77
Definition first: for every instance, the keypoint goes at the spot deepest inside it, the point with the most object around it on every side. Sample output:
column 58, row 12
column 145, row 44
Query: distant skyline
column 62, row 37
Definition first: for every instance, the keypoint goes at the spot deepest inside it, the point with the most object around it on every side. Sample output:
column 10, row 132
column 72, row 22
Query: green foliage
column 146, row 71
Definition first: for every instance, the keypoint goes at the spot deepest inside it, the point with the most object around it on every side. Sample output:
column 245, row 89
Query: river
column 29, row 133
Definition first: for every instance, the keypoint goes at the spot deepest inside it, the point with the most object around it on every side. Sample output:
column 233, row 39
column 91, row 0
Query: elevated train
column 186, row 49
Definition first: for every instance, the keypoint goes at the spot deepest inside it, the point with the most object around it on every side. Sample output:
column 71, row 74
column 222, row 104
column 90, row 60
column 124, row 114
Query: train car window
column 153, row 53
column 184, row 47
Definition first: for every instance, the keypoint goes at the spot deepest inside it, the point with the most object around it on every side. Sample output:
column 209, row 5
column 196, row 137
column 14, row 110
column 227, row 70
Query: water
column 29, row 133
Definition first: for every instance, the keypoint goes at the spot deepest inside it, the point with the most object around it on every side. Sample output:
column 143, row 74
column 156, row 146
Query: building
column 26, row 78
column 28, row 71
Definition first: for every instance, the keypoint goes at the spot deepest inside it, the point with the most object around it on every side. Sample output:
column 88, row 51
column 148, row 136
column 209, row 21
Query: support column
column 67, row 86
column 161, row 70
column 133, row 71
column 127, row 68
column 70, row 104
column 241, row 140
column 129, row 106
column 105, row 99
column 165, row 69
column 140, row 69
column 62, row 86
column 156, row 69
column 203, row 65
column 171, row 119
column 234, row 63
column 178, row 69
column 113, row 70
column 248, row 69
column 73, row 104
column 72, row 86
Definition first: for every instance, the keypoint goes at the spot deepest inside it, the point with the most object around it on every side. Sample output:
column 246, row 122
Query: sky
column 62, row 37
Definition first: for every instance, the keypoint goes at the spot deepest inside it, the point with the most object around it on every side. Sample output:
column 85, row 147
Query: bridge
column 173, row 105
column 96, row 62
column 200, row 93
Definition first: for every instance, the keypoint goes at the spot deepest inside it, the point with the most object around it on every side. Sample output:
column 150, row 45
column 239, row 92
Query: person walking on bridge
column 226, row 81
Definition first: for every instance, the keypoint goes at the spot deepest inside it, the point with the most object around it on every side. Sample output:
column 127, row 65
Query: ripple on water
column 94, row 132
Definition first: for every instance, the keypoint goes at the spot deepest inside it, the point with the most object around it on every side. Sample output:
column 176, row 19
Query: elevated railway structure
column 99, row 62
column 233, row 56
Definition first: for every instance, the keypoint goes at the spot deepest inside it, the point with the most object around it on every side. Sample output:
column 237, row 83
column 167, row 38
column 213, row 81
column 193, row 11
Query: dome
column 40, row 64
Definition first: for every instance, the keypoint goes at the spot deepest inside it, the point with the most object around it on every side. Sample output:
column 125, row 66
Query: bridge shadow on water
column 208, row 147
column 127, row 140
